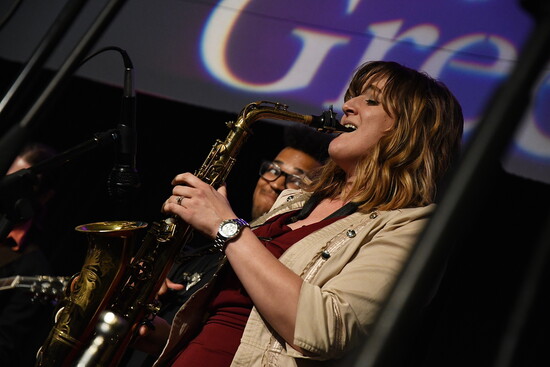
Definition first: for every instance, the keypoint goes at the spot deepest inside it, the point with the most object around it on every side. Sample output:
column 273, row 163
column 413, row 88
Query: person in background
column 304, row 282
column 305, row 150
column 22, row 326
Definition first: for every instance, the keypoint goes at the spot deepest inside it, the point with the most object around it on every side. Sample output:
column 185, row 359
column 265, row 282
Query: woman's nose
column 349, row 106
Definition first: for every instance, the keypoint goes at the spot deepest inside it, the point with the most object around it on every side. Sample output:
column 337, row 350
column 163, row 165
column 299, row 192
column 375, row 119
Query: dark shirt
column 24, row 323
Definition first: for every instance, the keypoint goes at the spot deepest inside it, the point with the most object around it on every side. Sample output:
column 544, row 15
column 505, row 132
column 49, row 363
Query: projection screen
column 225, row 54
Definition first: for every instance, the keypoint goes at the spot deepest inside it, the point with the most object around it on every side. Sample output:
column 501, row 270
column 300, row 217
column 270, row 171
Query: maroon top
column 217, row 342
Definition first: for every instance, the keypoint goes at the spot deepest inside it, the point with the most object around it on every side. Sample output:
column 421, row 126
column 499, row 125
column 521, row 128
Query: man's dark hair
column 308, row 140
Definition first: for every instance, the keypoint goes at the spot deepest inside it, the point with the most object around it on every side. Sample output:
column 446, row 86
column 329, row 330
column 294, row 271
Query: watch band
column 221, row 240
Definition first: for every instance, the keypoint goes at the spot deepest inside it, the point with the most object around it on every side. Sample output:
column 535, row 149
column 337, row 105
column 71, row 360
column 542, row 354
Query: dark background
column 484, row 278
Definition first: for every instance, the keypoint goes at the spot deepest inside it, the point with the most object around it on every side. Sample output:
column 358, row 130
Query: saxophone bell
column 110, row 247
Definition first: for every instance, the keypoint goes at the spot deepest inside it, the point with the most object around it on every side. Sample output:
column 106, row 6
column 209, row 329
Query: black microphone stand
column 392, row 329
column 16, row 137
column 16, row 189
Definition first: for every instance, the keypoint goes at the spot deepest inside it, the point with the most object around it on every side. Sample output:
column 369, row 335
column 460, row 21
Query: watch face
column 229, row 229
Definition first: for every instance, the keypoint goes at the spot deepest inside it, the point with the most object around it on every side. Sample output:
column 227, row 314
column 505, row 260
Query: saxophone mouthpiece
column 328, row 123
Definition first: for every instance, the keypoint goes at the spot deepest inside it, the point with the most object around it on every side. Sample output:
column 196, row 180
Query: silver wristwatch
column 228, row 230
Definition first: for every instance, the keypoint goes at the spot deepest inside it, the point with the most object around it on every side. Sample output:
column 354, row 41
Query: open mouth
column 350, row 126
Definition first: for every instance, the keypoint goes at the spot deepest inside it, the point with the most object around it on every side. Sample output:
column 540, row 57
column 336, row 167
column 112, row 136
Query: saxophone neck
column 327, row 122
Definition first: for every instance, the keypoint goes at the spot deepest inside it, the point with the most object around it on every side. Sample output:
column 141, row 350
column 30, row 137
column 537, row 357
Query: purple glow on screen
column 307, row 57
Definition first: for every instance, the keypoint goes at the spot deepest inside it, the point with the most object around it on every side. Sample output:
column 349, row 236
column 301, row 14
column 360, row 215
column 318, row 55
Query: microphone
column 123, row 180
column 328, row 123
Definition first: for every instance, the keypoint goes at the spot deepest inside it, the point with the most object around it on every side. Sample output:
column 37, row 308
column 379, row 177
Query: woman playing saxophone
column 303, row 283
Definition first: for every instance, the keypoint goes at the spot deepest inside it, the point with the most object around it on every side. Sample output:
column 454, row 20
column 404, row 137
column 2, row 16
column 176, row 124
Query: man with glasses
column 305, row 151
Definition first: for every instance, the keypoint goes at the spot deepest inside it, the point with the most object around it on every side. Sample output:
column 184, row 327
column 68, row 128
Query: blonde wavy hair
column 406, row 165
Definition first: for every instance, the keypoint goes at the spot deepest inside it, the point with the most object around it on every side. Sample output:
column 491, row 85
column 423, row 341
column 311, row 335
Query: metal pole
column 18, row 135
column 46, row 46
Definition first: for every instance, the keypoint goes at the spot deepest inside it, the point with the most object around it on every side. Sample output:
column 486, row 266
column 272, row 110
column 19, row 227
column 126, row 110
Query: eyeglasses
column 270, row 171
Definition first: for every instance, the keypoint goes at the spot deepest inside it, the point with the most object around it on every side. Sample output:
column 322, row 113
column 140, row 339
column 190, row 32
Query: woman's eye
column 372, row 102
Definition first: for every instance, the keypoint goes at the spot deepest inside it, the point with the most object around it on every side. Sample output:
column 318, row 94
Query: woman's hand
column 198, row 204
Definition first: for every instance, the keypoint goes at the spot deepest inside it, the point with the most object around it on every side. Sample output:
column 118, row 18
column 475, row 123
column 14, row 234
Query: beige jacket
column 348, row 268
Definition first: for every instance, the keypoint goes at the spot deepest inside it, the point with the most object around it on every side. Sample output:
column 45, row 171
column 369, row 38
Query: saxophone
column 132, row 298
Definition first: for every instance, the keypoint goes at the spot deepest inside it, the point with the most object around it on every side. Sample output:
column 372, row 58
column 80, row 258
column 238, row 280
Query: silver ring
column 179, row 199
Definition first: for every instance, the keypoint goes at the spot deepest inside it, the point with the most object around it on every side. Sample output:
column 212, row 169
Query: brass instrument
column 134, row 298
column 110, row 246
